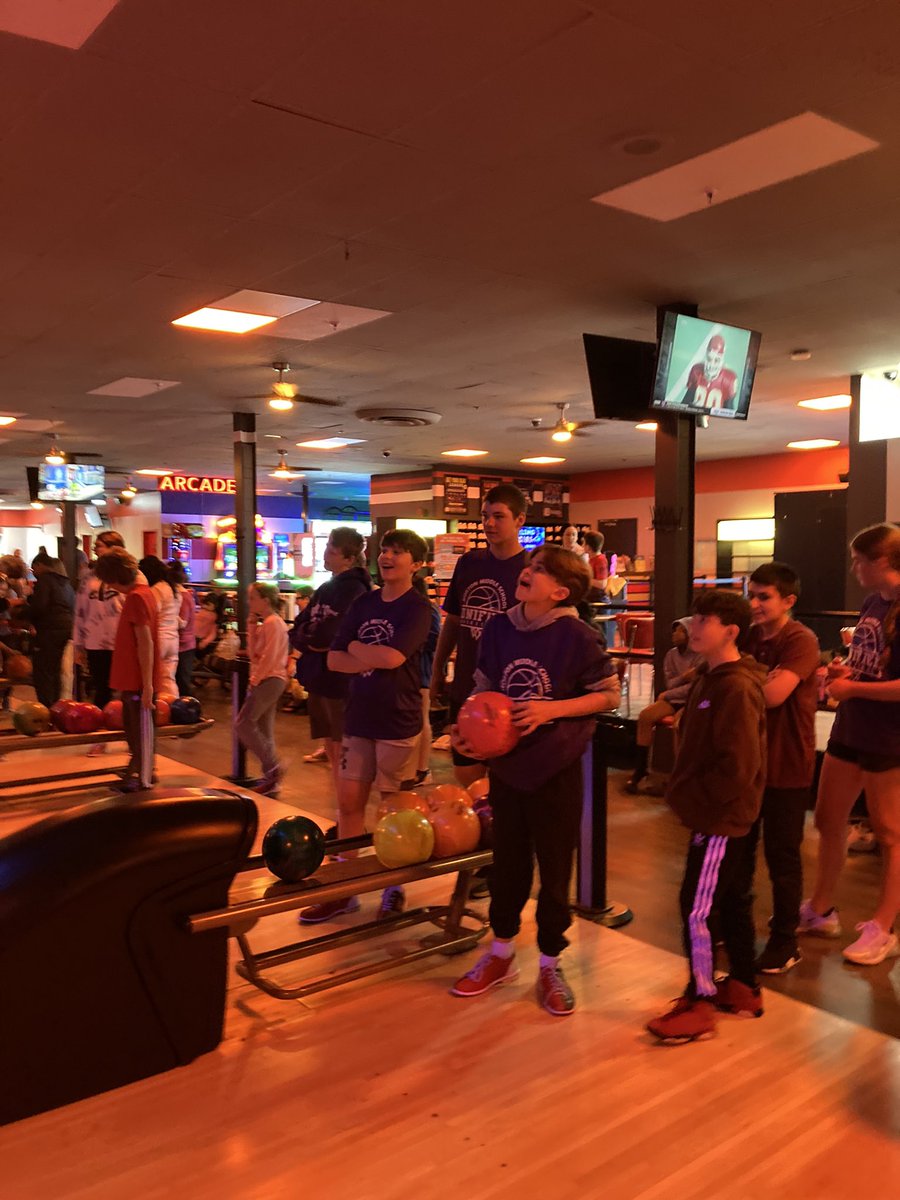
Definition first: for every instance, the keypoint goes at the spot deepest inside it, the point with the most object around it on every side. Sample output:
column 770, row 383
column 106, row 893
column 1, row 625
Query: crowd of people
column 741, row 681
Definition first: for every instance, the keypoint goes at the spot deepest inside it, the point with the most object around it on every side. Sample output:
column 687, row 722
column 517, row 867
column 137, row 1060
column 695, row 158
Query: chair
column 102, row 982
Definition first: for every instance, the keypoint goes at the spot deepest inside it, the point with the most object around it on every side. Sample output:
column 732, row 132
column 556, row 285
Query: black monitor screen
column 621, row 376
column 705, row 367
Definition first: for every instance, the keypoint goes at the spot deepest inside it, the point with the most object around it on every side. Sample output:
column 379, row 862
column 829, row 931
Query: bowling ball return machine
column 255, row 896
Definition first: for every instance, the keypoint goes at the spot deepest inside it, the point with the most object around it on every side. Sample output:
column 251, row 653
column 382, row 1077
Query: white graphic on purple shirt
column 526, row 679
column 481, row 600
column 866, row 650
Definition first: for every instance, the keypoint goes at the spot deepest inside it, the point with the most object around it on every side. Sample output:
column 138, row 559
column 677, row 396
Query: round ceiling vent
column 401, row 418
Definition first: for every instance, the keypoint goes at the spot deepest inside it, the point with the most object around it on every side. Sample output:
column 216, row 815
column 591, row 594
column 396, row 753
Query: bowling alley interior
column 449, row 599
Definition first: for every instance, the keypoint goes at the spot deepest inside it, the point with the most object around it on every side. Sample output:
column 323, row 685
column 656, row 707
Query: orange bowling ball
column 161, row 711
column 457, row 829
column 401, row 802
column 480, row 789
column 486, row 723
column 112, row 715
column 445, row 793
column 18, row 667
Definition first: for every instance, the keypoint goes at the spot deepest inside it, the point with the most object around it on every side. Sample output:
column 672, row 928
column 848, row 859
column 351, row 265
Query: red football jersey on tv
column 710, row 393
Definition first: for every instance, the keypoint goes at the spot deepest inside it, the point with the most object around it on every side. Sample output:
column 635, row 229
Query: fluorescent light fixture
column 748, row 529
column 462, row 454
column 8, row 420
column 826, row 403
column 879, row 406
column 330, row 443
column 813, row 444
column 649, row 426
column 541, row 460
column 157, row 471
column 223, row 320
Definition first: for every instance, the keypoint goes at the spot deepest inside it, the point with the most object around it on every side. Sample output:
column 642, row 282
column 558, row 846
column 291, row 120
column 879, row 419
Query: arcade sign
column 209, row 484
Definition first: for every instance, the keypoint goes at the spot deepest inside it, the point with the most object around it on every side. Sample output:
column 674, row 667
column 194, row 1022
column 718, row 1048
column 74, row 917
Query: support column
column 245, row 539
column 673, row 519
column 867, row 490
column 69, row 541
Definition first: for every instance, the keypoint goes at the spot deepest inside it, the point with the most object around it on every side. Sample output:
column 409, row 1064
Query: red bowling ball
column 58, row 713
column 486, row 723
column 161, row 711
column 112, row 715
column 457, row 829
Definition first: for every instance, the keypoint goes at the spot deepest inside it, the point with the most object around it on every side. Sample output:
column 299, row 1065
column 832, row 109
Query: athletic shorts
column 460, row 759
column 388, row 764
column 866, row 760
column 326, row 716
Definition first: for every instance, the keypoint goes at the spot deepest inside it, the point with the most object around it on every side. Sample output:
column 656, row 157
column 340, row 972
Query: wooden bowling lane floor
column 390, row 1089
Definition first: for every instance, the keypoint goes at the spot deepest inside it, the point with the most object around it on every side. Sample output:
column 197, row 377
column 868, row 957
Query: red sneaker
column 327, row 912
column 738, row 999
column 554, row 992
column 686, row 1021
column 490, row 971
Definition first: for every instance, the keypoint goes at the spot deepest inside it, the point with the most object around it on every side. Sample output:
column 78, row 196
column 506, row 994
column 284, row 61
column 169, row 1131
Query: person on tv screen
column 710, row 384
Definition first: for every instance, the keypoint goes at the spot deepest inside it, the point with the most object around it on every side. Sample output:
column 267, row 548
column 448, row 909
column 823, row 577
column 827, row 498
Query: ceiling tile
column 324, row 320
column 69, row 24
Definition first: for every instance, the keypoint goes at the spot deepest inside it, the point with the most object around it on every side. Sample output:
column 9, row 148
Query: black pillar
column 673, row 518
column 69, row 541
column 245, row 509
column 867, row 490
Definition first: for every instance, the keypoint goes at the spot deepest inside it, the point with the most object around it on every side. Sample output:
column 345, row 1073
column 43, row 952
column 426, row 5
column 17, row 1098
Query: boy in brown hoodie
column 716, row 790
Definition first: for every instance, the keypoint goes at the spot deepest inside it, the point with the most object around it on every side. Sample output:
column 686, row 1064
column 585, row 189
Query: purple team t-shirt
column 386, row 704
column 557, row 662
column 871, row 725
column 482, row 586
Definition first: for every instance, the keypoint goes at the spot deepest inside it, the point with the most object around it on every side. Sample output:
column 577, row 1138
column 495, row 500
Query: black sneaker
column 778, row 958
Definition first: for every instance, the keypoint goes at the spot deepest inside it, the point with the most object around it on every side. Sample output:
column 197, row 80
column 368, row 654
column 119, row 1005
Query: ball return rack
column 10, row 742
column 255, row 896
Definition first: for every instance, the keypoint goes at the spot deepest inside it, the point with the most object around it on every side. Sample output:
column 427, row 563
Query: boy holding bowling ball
column 550, row 665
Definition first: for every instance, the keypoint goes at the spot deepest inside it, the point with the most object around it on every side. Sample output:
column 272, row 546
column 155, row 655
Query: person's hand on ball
column 529, row 714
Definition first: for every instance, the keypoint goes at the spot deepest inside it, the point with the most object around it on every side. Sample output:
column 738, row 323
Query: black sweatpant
column 782, row 819
column 139, row 734
column 99, row 664
column 718, row 874
column 46, row 666
column 542, row 824
column 184, row 674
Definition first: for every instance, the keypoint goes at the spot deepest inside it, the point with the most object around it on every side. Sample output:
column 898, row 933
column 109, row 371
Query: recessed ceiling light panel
column 826, row 403
column 813, row 444
column 330, row 443
column 464, row 453
column 541, row 460
column 221, row 320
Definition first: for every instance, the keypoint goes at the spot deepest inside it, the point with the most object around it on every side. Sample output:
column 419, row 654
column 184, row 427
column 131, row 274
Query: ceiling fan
column 564, row 429
column 283, row 471
column 283, row 395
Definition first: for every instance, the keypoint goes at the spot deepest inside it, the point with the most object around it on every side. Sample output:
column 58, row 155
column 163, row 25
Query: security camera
column 385, row 454
column 890, row 376
column 536, row 422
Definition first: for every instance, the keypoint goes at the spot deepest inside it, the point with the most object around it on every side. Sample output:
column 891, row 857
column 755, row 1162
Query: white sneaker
column 441, row 743
column 828, row 925
column 872, row 946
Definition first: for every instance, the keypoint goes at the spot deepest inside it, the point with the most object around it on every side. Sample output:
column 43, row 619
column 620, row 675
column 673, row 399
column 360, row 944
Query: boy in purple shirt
column 549, row 662
column 379, row 644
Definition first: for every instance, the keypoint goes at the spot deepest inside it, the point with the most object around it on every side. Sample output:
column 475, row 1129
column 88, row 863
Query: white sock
column 549, row 960
column 502, row 949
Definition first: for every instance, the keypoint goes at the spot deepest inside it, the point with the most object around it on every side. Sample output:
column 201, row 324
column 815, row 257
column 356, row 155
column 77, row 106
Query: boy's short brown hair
column 116, row 567
column 567, row 569
column 730, row 607
column 507, row 493
column 409, row 540
column 349, row 541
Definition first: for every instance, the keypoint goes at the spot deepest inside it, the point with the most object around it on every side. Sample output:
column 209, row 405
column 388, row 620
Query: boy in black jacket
column 716, row 790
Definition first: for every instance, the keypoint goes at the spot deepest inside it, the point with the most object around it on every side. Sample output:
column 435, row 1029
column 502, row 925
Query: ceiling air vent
column 399, row 418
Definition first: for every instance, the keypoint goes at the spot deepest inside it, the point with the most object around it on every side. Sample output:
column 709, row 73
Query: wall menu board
column 456, row 500
column 486, row 485
column 553, row 501
column 448, row 549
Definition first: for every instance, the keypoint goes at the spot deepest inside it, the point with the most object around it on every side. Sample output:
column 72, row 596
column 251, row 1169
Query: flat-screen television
column 879, row 406
column 532, row 536
column 620, row 373
column 95, row 518
column 705, row 367
column 70, row 481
